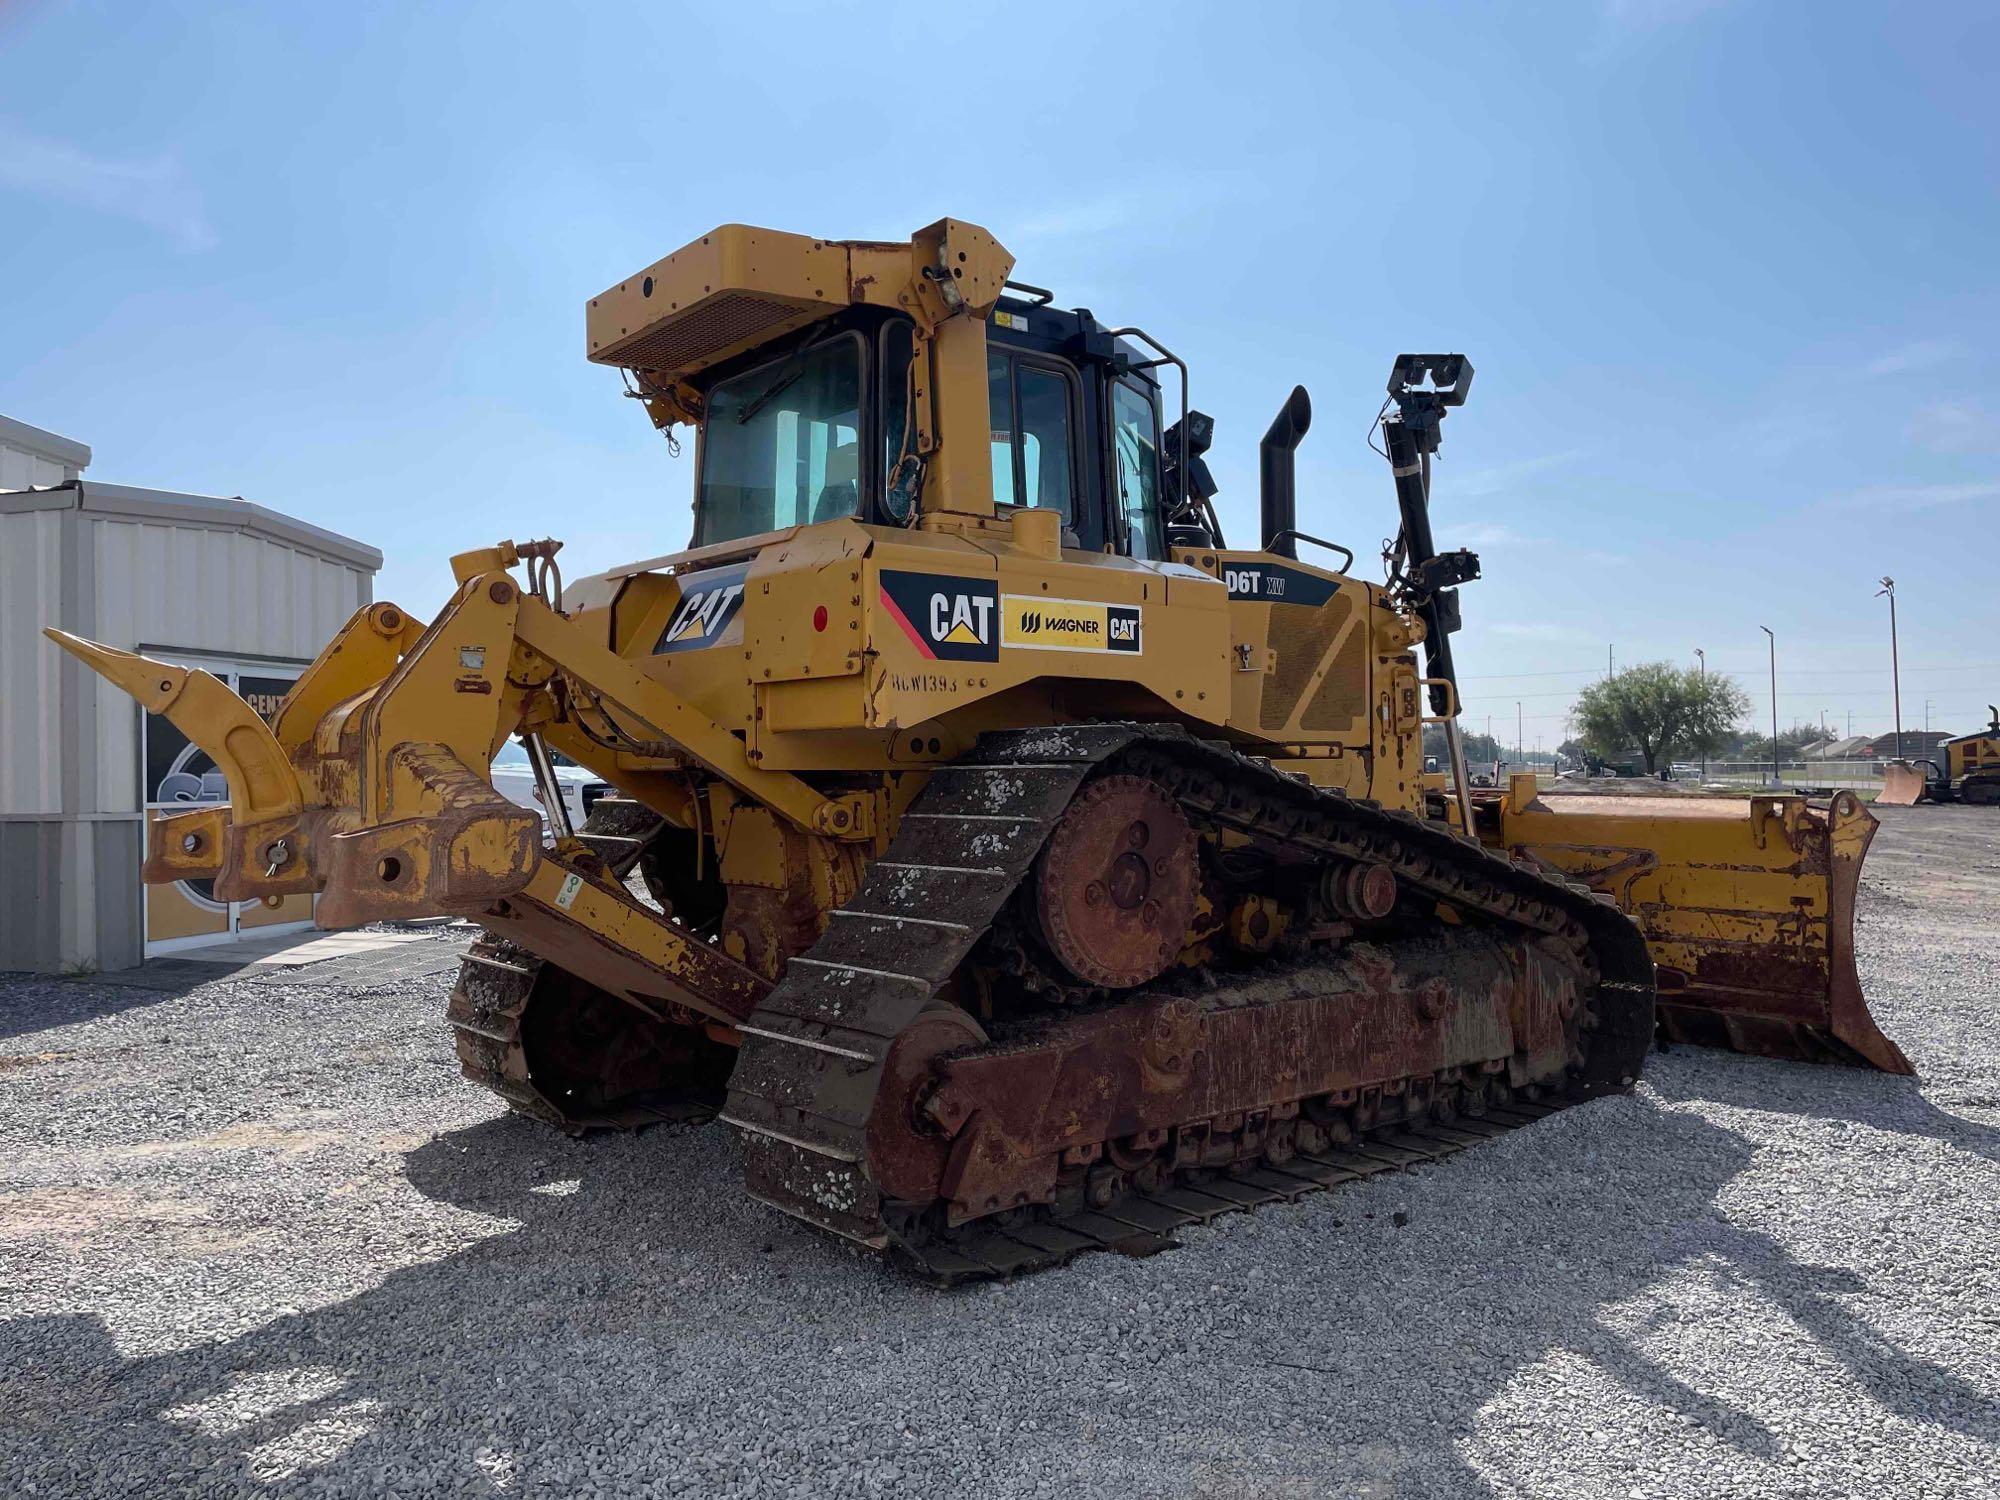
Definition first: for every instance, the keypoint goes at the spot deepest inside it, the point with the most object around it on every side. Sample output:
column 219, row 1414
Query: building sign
column 178, row 774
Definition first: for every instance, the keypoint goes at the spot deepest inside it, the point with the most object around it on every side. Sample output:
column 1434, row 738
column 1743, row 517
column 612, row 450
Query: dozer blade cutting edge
column 1747, row 907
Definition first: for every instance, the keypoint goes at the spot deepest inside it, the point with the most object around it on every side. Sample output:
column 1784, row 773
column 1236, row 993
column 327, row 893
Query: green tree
column 1483, row 747
column 1790, row 742
column 1479, row 748
column 1658, row 710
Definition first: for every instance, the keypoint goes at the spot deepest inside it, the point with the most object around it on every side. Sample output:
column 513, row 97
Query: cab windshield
column 781, row 444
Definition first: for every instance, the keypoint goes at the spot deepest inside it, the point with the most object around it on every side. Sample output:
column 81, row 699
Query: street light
column 1520, row 736
column 1702, row 657
column 1895, row 665
column 1776, row 778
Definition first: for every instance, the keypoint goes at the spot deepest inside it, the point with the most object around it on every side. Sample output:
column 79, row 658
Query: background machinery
column 1970, row 773
column 1017, row 866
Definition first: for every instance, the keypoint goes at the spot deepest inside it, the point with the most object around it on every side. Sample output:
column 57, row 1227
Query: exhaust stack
column 1276, row 482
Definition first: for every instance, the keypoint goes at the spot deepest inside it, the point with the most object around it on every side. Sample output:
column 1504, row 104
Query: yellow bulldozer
column 1017, row 866
column 1970, row 773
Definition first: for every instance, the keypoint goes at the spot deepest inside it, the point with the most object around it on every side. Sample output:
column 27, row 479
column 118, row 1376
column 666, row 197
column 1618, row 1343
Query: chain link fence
column 1861, row 776
column 1826, row 775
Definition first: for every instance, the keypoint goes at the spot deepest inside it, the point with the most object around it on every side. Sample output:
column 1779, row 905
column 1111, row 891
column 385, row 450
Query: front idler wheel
column 908, row 1142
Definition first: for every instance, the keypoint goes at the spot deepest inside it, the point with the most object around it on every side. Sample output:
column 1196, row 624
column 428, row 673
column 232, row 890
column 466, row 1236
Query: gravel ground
column 257, row 1237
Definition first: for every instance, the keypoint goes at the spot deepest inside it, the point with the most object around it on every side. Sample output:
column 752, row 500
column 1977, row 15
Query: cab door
column 1133, row 478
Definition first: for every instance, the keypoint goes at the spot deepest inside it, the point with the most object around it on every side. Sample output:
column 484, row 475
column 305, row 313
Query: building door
column 177, row 774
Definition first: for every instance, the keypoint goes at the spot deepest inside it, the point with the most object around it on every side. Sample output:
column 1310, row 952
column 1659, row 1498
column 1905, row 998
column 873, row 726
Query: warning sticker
column 1041, row 624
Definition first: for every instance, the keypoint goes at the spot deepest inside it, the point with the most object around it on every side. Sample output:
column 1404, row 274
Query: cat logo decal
column 946, row 617
column 710, row 611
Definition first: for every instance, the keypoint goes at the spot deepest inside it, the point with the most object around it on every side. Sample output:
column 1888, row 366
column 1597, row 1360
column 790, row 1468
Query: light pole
column 1702, row 657
column 1895, row 664
column 1520, row 736
column 1776, row 778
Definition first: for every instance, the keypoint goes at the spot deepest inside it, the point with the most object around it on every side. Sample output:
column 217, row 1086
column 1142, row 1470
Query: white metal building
column 198, row 580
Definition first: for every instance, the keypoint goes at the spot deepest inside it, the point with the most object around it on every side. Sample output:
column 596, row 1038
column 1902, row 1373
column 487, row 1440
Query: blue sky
column 1727, row 270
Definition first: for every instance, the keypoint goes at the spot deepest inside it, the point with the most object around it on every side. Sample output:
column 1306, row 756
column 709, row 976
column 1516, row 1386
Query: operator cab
column 820, row 429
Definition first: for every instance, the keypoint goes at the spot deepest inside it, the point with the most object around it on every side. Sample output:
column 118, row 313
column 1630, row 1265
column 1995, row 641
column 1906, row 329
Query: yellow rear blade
column 1747, row 907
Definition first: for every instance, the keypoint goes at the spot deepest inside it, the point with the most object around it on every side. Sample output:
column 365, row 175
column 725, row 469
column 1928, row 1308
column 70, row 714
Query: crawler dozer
column 1970, row 773
column 1016, row 865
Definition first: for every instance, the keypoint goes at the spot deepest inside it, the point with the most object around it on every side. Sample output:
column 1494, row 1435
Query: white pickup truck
column 514, row 779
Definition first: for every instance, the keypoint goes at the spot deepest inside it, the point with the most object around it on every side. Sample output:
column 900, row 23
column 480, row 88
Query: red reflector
column 819, row 618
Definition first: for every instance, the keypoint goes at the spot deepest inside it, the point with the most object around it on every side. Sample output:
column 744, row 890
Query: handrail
column 1271, row 544
column 1451, row 689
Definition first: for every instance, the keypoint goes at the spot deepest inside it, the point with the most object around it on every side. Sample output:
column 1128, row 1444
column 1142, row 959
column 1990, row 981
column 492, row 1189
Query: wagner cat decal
column 1039, row 623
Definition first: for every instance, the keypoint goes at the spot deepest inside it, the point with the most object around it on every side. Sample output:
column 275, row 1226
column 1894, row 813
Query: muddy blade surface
column 1747, row 908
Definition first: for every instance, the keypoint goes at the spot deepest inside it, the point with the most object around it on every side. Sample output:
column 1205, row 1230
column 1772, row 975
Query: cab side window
column 1135, row 441
column 1033, row 453
column 900, row 465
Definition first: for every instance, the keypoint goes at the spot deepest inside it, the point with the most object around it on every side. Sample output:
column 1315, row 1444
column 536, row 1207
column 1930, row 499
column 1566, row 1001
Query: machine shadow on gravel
column 1857, row 1096
column 640, row 1289
column 41, row 1002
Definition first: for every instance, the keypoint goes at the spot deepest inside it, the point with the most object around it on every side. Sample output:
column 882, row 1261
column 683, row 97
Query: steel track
column 805, row 1084
column 1143, row 1223
column 496, row 984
